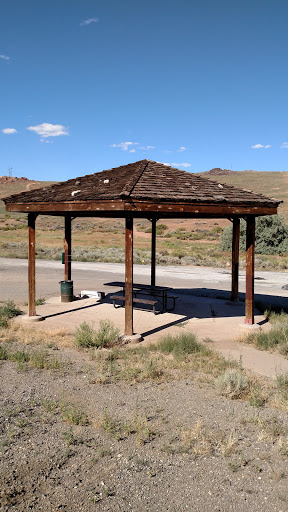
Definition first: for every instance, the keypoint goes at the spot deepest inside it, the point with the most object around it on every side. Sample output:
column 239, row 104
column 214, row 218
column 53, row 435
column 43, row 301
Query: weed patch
column 277, row 337
column 180, row 345
column 106, row 336
column 35, row 359
column 138, row 427
column 72, row 415
column 8, row 311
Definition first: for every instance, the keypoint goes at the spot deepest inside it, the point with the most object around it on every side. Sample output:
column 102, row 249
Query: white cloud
column 46, row 141
column 4, row 57
column 184, row 164
column 182, row 148
column 124, row 145
column 89, row 21
column 131, row 146
column 9, row 131
column 49, row 130
column 166, row 163
column 259, row 146
column 284, row 145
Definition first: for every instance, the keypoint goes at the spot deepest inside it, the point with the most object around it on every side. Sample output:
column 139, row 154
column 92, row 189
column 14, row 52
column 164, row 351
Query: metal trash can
column 66, row 288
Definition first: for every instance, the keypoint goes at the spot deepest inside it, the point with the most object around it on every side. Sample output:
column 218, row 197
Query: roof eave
column 168, row 207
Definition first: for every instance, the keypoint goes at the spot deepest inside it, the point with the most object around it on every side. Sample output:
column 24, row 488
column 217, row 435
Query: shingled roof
column 146, row 181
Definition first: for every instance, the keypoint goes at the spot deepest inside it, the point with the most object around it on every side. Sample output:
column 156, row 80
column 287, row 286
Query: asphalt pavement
column 93, row 276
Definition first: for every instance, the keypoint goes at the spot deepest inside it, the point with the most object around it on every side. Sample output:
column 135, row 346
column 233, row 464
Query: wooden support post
column 250, row 256
column 67, row 249
column 129, row 276
column 31, row 265
column 235, row 259
column 153, row 252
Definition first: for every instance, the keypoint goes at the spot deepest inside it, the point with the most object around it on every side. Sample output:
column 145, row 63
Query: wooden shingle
column 143, row 181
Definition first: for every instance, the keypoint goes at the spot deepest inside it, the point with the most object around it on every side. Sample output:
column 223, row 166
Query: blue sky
column 87, row 85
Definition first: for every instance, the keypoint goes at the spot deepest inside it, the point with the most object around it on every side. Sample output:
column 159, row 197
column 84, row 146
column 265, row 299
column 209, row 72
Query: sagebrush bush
column 106, row 336
column 271, row 236
column 232, row 383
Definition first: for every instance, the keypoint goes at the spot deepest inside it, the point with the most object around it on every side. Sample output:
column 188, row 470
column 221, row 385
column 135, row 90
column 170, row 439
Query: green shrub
column 106, row 336
column 85, row 335
column 271, row 235
column 180, row 345
column 160, row 228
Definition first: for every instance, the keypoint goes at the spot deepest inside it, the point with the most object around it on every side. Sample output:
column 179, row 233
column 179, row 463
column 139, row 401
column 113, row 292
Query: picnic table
column 160, row 294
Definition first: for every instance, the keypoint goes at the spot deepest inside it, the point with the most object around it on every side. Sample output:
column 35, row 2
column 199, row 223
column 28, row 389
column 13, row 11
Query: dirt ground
column 71, row 443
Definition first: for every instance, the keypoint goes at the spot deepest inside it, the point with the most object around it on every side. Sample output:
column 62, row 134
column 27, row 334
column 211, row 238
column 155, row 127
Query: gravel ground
column 153, row 446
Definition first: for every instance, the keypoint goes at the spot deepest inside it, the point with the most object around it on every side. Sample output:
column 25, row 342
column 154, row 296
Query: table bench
column 156, row 293
column 136, row 300
column 160, row 293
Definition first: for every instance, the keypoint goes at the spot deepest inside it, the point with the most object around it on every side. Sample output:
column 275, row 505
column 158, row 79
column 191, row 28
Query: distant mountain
column 218, row 172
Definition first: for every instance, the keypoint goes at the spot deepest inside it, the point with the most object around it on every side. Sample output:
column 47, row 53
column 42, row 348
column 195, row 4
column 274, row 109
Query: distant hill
column 11, row 185
column 270, row 183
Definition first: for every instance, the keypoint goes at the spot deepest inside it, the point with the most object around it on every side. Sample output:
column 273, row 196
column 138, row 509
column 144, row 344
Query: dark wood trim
column 61, row 208
column 235, row 259
column 223, row 210
column 172, row 209
column 67, row 249
column 129, row 275
column 31, row 265
column 250, row 258
column 153, row 252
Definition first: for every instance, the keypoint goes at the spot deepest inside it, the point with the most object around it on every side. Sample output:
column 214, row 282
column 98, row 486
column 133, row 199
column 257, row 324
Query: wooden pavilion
column 150, row 190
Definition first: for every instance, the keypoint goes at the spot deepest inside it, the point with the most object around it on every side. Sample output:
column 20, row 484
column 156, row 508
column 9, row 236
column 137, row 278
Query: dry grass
column 200, row 440
column 15, row 332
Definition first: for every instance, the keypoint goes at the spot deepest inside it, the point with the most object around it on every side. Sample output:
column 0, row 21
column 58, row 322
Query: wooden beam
column 174, row 209
column 67, row 249
column 153, row 251
column 61, row 208
column 129, row 276
column 235, row 259
column 221, row 210
column 250, row 257
column 31, row 265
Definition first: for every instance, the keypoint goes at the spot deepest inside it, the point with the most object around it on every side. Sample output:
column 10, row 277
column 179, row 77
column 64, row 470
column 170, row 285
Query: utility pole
column 10, row 169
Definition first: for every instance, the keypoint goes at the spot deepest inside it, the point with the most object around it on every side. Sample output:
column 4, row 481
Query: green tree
column 271, row 235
